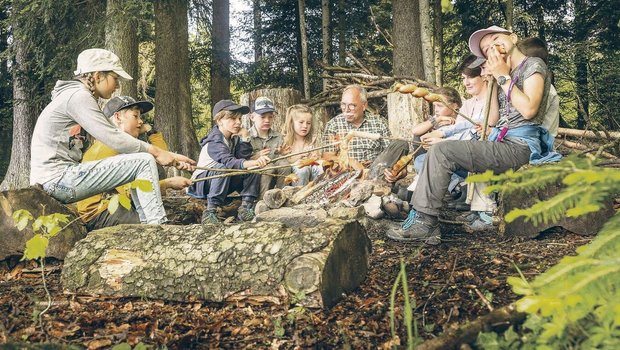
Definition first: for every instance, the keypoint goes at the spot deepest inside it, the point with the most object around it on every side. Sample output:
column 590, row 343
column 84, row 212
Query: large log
column 520, row 229
column 38, row 203
column 219, row 263
column 404, row 112
column 282, row 99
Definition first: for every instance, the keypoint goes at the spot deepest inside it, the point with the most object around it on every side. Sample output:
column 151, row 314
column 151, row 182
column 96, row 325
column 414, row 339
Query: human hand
column 177, row 182
column 443, row 121
column 262, row 152
column 257, row 163
column 497, row 63
column 283, row 149
column 387, row 173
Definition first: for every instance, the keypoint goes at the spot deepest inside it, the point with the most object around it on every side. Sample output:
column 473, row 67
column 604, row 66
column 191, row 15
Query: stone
column 360, row 193
column 345, row 213
column 260, row 207
column 274, row 198
column 373, row 207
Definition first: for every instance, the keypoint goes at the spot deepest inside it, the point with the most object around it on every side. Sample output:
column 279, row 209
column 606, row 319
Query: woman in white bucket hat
column 59, row 138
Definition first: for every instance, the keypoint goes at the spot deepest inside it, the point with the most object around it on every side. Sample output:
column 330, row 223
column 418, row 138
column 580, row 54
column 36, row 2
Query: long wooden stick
column 302, row 152
column 247, row 171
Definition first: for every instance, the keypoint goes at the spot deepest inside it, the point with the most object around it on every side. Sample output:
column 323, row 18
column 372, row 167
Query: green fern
column 576, row 303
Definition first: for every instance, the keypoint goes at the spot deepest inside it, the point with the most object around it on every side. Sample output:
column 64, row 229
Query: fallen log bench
column 221, row 263
column 519, row 229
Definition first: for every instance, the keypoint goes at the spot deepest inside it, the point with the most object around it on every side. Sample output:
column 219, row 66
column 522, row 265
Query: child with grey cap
column 61, row 129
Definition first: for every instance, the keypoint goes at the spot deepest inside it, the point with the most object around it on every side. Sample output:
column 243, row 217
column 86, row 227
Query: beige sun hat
column 476, row 37
column 100, row 60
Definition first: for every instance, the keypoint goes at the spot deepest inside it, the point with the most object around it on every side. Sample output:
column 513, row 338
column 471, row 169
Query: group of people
column 522, row 121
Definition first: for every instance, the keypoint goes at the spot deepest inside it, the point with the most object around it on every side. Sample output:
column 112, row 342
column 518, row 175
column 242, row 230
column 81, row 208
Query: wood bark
column 520, row 229
column 496, row 320
column 510, row 14
column 219, row 263
column 25, row 114
column 258, row 31
column 404, row 112
column 407, row 56
column 173, row 112
column 301, row 5
column 438, row 41
column 121, row 37
column 581, row 63
column 220, row 39
column 589, row 134
column 6, row 119
column 38, row 203
column 327, row 39
column 342, row 33
column 282, row 99
column 426, row 35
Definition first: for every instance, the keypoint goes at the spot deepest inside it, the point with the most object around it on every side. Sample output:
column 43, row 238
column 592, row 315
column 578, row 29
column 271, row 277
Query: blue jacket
column 215, row 150
column 538, row 140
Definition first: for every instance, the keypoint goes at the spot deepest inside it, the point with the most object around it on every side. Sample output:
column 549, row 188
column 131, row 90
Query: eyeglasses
column 347, row 106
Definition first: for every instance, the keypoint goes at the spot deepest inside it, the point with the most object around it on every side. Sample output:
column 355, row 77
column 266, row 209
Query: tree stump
column 588, row 225
column 220, row 263
column 282, row 99
column 38, row 203
column 404, row 112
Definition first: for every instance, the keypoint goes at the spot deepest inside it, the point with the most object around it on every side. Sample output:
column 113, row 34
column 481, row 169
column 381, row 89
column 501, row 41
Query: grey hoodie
column 59, row 134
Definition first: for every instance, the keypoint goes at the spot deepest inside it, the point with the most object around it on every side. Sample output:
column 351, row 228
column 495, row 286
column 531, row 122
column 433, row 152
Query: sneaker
column 467, row 217
column 418, row 227
column 245, row 214
column 484, row 222
column 209, row 216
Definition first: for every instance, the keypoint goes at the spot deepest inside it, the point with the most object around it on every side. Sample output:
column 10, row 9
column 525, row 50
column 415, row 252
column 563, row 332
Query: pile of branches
column 602, row 144
column 377, row 83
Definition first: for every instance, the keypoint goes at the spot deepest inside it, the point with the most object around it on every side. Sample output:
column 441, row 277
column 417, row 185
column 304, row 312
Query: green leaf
column 36, row 247
column 122, row 346
column 142, row 185
column 21, row 218
column 124, row 201
column 113, row 205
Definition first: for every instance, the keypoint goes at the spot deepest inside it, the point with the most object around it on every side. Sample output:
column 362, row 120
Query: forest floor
column 456, row 281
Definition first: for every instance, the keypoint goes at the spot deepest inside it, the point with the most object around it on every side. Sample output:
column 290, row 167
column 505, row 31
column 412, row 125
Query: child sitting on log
column 222, row 148
column 266, row 141
column 298, row 138
column 126, row 114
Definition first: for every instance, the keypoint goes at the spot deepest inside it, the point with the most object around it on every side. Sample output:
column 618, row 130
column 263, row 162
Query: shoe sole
column 432, row 240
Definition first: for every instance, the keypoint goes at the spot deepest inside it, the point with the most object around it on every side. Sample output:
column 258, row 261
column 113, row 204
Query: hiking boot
column 418, row 227
column 483, row 222
column 245, row 214
column 209, row 216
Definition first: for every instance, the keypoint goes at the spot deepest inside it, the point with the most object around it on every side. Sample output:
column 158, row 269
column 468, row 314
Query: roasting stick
column 485, row 124
column 374, row 136
column 302, row 152
column 242, row 172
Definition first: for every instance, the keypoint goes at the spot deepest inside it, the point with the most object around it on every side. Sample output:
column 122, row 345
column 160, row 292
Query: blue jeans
column 306, row 174
column 83, row 180
column 216, row 190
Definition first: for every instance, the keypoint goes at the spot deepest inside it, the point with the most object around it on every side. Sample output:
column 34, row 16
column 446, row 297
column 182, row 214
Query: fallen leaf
column 98, row 343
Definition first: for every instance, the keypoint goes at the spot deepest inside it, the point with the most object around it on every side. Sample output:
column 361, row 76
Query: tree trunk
column 121, row 37
column 438, row 42
column 220, row 66
column 258, row 35
column 304, row 47
column 404, row 112
column 220, row 263
column 6, row 91
column 426, row 32
column 282, row 99
column 342, row 31
column 173, row 111
column 327, row 38
column 25, row 113
column 407, row 57
column 510, row 13
column 581, row 64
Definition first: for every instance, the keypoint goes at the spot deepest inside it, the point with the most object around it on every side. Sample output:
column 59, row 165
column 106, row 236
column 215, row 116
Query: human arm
column 175, row 183
column 527, row 100
column 387, row 173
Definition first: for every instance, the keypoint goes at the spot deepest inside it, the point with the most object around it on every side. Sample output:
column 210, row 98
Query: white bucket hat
column 100, row 60
column 476, row 37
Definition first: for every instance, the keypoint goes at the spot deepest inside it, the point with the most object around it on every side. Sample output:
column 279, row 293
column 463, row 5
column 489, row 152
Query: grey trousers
column 386, row 159
column 446, row 157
